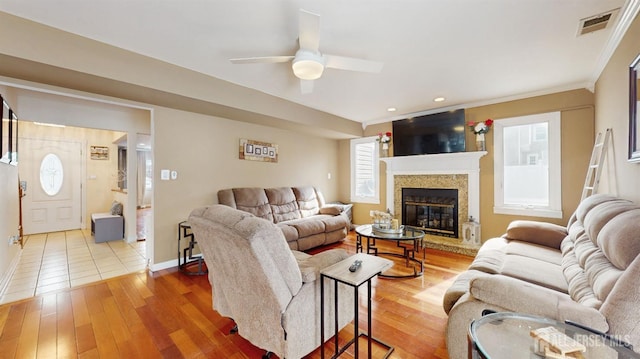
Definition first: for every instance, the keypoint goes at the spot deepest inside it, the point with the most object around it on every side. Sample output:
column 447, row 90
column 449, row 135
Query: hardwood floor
column 168, row 315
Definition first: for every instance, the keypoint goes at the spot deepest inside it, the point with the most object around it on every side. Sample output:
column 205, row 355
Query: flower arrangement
column 384, row 137
column 481, row 127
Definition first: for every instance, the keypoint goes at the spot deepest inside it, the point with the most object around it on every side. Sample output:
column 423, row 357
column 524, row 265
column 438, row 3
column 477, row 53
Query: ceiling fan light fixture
column 308, row 65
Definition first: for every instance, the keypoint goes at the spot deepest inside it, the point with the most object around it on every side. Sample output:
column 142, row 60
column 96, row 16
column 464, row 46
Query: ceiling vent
column 597, row 22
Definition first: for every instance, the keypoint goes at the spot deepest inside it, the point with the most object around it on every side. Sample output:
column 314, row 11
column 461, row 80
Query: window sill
column 531, row 212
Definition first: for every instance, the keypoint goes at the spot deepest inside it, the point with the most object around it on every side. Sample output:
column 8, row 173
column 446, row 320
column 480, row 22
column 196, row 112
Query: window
column 527, row 166
column 365, row 181
column 51, row 174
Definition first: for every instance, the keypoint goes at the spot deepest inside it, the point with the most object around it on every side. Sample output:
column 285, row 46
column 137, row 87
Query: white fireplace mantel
column 439, row 164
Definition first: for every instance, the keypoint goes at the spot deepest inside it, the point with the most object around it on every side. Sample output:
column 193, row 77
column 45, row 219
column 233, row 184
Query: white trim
column 528, row 211
column 169, row 264
column 376, row 171
column 445, row 163
column 164, row 265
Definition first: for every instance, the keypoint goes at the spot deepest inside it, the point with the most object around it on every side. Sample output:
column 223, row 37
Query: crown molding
column 626, row 16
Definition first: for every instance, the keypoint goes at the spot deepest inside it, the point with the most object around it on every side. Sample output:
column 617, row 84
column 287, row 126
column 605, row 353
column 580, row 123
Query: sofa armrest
column 333, row 210
column 524, row 297
column 542, row 233
column 311, row 267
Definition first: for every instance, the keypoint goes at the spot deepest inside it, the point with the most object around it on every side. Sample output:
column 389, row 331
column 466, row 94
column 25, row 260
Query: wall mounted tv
column 429, row 134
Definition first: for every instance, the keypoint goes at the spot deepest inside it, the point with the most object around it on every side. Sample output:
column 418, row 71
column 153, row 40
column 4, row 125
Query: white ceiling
column 468, row 51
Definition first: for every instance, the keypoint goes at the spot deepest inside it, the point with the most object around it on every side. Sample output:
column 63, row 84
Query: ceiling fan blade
column 352, row 64
column 309, row 31
column 306, row 86
column 263, row 59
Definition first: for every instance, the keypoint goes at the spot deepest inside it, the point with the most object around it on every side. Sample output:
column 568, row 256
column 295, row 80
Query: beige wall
column 619, row 177
column 577, row 126
column 204, row 152
column 9, row 223
column 577, row 140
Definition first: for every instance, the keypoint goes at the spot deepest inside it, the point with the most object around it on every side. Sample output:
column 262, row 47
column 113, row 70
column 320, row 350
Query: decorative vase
column 384, row 150
column 480, row 146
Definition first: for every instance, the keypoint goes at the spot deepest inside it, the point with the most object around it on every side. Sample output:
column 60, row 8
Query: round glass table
column 514, row 335
column 409, row 241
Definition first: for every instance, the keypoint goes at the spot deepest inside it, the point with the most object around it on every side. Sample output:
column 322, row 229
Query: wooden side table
column 371, row 266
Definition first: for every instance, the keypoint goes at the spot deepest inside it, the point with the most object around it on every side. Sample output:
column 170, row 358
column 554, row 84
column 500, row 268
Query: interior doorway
column 50, row 174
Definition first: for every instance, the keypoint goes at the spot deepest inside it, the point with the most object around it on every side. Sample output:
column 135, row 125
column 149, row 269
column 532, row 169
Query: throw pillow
column 116, row 208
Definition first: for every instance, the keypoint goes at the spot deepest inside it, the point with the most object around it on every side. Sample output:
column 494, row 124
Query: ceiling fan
column 308, row 63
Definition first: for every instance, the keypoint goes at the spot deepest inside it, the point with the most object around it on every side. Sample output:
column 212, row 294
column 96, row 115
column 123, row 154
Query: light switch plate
column 164, row 175
column 174, row 175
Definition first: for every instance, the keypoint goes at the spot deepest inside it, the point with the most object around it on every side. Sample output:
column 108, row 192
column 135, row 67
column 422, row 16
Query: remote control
column 354, row 267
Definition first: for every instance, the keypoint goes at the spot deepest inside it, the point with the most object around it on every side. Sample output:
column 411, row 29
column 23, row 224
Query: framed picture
column 258, row 151
column 634, row 141
column 99, row 152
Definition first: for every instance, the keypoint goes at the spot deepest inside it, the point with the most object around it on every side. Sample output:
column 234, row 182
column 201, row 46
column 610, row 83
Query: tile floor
column 52, row 261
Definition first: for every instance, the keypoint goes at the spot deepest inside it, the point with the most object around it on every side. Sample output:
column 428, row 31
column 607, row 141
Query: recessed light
column 391, row 109
column 438, row 99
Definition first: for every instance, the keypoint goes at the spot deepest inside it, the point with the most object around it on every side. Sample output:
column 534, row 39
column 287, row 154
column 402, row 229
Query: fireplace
column 460, row 171
column 434, row 210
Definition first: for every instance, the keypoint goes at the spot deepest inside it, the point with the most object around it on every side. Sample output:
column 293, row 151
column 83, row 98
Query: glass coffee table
column 511, row 335
column 409, row 241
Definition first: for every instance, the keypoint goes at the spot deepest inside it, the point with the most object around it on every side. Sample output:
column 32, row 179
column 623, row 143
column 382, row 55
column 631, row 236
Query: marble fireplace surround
column 424, row 171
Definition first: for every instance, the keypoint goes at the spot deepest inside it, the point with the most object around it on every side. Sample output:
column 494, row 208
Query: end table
column 189, row 260
column 370, row 267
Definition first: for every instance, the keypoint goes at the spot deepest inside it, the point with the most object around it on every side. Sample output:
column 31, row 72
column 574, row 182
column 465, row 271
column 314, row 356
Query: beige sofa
column 300, row 212
column 587, row 272
column 271, row 292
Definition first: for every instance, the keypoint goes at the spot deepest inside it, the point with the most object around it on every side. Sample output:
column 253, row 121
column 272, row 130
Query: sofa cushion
column 308, row 227
column 535, row 271
column 579, row 288
column 290, row 232
column 307, row 201
column 490, row 256
column 252, row 200
column 619, row 239
column 588, row 203
column 601, row 214
column 333, row 223
column 539, row 252
column 283, row 204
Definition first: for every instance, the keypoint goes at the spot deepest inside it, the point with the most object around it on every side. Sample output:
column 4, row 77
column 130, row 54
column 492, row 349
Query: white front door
column 52, row 170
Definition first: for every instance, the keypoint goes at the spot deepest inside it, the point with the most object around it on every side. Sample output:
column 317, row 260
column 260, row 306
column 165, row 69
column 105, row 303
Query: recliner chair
column 271, row 292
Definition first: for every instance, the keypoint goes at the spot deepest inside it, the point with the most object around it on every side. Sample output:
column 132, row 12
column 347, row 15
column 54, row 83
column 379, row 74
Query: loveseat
column 587, row 272
column 300, row 212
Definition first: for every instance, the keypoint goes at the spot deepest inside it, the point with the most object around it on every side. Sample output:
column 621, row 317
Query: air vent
column 596, row 22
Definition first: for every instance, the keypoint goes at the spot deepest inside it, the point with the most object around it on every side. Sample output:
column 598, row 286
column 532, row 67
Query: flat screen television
column 430, row 134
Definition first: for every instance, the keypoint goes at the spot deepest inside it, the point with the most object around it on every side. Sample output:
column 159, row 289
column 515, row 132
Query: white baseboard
column 164, row 265
column 168, row 264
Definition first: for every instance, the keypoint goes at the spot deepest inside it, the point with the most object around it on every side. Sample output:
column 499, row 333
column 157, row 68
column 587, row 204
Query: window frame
column 554, row 209
column 375, row 199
